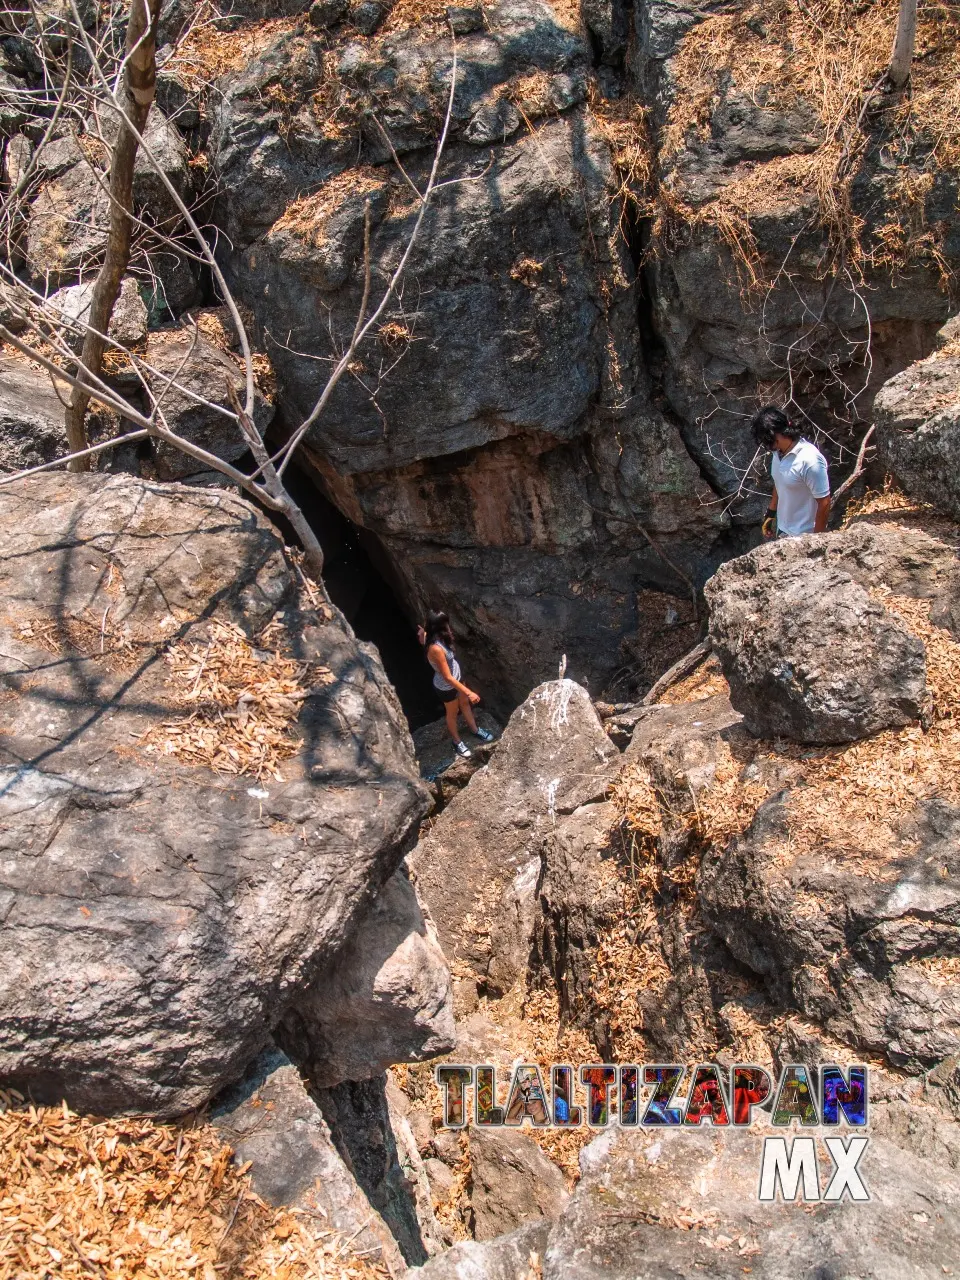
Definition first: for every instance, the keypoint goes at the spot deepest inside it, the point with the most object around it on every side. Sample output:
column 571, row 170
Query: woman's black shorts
column 446, row 695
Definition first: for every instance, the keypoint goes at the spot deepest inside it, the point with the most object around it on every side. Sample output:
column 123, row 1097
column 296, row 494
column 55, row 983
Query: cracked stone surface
column 160, row 919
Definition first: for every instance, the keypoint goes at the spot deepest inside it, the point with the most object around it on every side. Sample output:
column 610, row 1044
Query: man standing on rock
column 801, row 487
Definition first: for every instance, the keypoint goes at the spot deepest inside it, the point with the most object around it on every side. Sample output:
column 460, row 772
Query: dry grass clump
column 207, row 53
column 715, row 814
column 891, row 506
column 833, row 60
column 306, row 217
column 129, row 1197
column 705, row 682
column 568, row 13
column 242, row 704
column 532, row 95
column 625, row 126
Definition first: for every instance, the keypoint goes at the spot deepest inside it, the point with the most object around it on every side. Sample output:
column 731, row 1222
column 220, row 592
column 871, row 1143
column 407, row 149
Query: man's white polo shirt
column 801, row 479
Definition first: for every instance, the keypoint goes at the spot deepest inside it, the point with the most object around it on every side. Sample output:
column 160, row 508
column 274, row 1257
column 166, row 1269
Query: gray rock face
column 727, row 340
column 505, row 1258
column 387, row 998
column 470, row 394
column 128, row 324
column 683, row 1203
column 271, row 1120
column 574, row 903
column 200, row 370
column 513, row 1181
column 808, row 654
column 365, row 1127
column 553, row 758
column 68, row 226
column 160, row 919
column 31, row 417
column 493, row 460
column 842, row 946
column 623, row 1218
column 69, row 219
column 917, row 415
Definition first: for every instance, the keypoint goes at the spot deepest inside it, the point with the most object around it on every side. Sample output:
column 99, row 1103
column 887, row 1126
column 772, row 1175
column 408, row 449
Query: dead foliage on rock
column 242, row 703
column 844, row 799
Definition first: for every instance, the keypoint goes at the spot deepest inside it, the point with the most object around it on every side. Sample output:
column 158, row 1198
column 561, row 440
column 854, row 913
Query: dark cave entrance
column 366, row 598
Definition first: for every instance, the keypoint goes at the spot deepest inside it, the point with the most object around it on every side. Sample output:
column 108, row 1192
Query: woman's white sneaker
column 462, row 749
column 484, row 735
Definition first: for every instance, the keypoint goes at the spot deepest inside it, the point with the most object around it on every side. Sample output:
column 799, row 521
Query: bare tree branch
column 123, row 82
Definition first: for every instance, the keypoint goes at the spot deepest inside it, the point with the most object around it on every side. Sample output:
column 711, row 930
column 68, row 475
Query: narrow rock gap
column 637, row 231
column 355, row 574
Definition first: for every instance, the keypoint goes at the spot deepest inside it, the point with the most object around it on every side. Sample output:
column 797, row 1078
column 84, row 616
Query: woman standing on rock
column 437, row 635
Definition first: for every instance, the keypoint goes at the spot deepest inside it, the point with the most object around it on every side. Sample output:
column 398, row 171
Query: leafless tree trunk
column 903, row 44
column 139, row 88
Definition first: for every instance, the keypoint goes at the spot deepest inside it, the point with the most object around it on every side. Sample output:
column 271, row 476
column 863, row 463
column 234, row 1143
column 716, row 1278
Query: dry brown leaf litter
column 242, row 704
column 128, row 1198
column 705, row 682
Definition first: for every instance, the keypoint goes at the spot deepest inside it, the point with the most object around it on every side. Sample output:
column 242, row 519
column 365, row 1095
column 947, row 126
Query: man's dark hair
column 770, row 422
column 438, row 628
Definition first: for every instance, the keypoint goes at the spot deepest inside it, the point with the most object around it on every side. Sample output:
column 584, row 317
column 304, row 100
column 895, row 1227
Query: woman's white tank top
column 439, row 681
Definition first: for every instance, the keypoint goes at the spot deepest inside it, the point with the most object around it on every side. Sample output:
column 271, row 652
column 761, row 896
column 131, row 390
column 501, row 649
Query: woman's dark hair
column 771, row 422
column 438, row 627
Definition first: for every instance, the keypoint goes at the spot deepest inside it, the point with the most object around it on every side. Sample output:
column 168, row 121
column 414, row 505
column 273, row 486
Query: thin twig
column 87, row 453
column 689, row 662
column 857, row 471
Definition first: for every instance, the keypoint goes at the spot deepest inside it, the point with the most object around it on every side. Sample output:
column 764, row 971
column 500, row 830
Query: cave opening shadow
column 365, row 597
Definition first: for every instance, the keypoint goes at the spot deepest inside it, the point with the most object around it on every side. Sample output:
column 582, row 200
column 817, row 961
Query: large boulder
column 69, row 224
column 69, row 219
column 507, row 1257
column 31, row 416
column 270, row 1120
column 808, row 653
column 128, row 323
column 917, row 415
column 685, row 1204
column 512, row 1182
column 485, row 847
column 386, row 998
column 862, row 945
column 162, row 915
